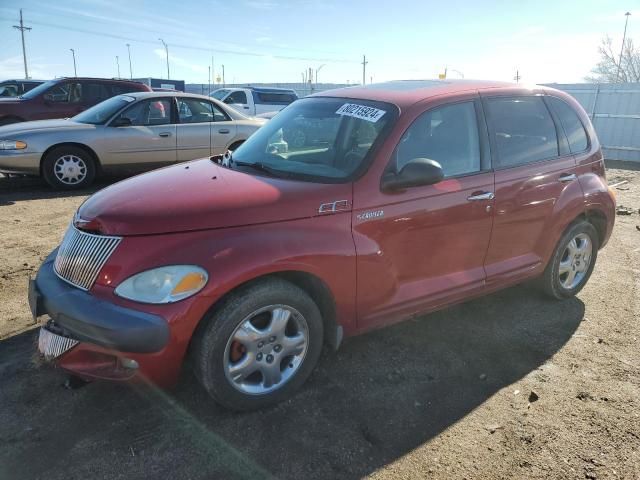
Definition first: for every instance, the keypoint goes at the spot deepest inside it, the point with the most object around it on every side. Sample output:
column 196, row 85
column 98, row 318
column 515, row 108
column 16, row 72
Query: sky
column 277, row 40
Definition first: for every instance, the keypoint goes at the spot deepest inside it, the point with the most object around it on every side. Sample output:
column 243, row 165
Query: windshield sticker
column 362, row 112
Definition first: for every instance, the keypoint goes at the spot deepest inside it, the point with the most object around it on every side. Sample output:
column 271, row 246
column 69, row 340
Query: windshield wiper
column 261, row 167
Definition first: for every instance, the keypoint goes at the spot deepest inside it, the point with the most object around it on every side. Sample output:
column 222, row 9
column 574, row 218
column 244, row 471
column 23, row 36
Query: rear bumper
column 13, row 161
column 86, row 318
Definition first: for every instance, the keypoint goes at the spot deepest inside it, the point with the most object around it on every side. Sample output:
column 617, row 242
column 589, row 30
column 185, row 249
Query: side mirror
column 415, row 173
column 121, row 122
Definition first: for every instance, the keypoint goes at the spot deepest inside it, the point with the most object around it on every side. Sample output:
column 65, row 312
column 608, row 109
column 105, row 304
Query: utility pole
column 224, row 84
column 130, row 69
column 166, row 51
column 209, row 80
column 364, row 69
column 22, row 28
column 317, row 70
column 118, row 64
column 624, row 37
column 75, row 72
column 517, row 77
column 213, row 72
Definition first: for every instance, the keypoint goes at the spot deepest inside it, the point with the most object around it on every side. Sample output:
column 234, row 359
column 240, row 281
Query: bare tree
column 606, row 71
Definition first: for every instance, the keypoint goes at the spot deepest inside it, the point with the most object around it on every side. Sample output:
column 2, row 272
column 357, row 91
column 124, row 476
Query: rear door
column 150, row 139
column 425, row 246
column 533, row 168
column 203, row 129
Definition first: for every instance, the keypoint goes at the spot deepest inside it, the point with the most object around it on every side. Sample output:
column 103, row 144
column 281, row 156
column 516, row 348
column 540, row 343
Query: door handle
column 481, row 196
column 223, row 130
column 566, row 177
column 246, row 107
column 164, row 134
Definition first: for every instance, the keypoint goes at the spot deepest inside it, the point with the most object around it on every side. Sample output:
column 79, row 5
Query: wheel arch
column 313, row 285
column 16, row 119
column 82, row 146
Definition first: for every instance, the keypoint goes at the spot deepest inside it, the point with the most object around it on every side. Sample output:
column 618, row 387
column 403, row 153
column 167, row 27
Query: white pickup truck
column 255, row 100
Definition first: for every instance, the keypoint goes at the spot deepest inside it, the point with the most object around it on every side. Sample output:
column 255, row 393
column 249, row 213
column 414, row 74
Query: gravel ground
column 508, row 386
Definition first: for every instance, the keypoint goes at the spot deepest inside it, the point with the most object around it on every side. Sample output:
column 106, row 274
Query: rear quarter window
column 571, row 124
column 277, row 98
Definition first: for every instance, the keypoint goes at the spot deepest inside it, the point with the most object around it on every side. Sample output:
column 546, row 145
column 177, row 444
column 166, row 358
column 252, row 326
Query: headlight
column 163, row 284
column 12, row 145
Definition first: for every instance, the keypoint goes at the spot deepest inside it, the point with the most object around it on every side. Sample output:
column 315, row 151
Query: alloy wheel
column 575, row 261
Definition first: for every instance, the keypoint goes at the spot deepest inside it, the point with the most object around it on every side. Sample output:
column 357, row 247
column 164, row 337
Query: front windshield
column 100, row 113
column 317, row 138
column 219, row 94
column 43, row 87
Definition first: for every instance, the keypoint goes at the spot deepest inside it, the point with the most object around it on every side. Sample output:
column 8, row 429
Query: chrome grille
column 81, row 256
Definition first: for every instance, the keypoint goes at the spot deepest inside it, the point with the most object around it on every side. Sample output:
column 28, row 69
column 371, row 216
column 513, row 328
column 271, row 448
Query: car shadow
column 17, row 189
column 379, row 397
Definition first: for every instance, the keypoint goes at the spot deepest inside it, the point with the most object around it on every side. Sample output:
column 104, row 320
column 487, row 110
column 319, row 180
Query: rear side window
column 523, row 130
column 279, row 98
column 448, row 135
column 571, row 124
column 95, row 92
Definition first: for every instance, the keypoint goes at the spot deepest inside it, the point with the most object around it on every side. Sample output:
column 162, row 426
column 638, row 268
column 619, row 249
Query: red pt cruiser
column 350, row 210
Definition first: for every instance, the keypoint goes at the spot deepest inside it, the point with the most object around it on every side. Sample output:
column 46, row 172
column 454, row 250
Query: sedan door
column 142, row 137
column 424, row 246
column 204, row 129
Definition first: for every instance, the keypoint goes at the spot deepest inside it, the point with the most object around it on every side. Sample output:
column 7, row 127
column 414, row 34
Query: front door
column 425, row 246
column 147, row 137
column 533, row 168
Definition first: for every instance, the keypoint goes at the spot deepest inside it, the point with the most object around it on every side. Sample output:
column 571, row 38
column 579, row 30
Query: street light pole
column 130, row 68
column 166, row 50
column 118, row 64
column 364, row 69
column 75, row 72
column 624, row 37
column 22, row 28
column 224, row 83
column 317, row 70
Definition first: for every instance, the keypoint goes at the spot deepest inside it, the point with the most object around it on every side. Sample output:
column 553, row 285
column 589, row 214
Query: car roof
column 26, row 80
column 407, row 92
column 110, row 80
column 174, row 93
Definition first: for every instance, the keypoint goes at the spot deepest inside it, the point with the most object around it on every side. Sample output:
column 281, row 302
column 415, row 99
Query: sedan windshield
column 325, row 139
column 100, row 113
column 219, row 94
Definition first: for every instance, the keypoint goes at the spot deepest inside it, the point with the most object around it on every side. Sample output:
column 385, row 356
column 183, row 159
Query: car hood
column 200, row 195
column 39, row 125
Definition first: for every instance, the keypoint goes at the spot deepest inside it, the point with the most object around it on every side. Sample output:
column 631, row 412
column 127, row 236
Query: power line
column 22, row 28
column 246, row 53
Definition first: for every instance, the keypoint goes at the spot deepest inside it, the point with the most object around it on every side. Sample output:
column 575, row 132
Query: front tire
column 68, row 168
column 259, row 346
column 572, row 262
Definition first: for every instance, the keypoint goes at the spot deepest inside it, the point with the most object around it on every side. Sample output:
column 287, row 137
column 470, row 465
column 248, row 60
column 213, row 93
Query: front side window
column 324, row 139
column 239, row 97
column 149, row 112
column 192, row 110
column 523, row 130
column 448, row 135
column 571, row 124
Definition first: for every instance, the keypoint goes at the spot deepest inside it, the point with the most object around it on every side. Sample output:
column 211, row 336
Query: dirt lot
column 508, row 386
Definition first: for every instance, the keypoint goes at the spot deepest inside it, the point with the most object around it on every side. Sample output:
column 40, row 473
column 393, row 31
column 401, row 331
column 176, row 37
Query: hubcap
column 266, row 349
column 575, row 261
column 70, row 169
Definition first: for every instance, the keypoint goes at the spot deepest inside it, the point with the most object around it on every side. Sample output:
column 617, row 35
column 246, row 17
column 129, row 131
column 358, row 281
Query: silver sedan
column 127, row 133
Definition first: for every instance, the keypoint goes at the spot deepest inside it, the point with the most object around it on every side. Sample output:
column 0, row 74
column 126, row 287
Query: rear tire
column 572, row 261
column 69, row 168
column 259, row 346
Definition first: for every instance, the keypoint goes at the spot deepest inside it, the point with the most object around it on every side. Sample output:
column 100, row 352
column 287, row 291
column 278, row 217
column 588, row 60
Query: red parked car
column 63, row 98
column 415, row 195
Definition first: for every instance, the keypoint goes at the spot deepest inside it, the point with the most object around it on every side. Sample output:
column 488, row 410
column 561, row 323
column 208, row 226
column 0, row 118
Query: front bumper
column 83, row 317
column 16, row 161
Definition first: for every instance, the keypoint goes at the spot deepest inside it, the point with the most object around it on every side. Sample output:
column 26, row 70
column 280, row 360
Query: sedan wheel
column 68, row 168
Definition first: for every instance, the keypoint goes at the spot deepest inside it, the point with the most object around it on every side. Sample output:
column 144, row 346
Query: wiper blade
column 262, row 168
